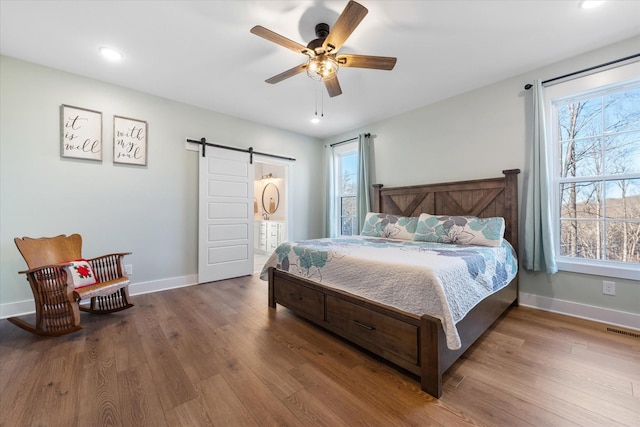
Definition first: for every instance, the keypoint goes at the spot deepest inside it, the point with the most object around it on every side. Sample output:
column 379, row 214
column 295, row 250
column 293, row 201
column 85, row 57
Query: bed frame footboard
column 436, row 357
column 424, row 354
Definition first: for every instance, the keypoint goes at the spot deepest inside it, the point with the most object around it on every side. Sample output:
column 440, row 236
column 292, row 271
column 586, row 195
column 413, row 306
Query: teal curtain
column 539, row 253
column 364, row 174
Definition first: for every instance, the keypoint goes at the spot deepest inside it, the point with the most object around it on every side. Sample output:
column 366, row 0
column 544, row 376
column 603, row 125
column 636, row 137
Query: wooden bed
column 415, row 343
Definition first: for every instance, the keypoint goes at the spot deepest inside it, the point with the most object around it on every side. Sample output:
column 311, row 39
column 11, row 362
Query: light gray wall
column 477, row 135
column 152, row 210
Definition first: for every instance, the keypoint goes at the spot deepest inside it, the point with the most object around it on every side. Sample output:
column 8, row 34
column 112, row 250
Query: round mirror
column 270, row 198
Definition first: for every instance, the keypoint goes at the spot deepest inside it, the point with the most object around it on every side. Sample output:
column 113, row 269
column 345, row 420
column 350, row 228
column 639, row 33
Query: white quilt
column 443, row 280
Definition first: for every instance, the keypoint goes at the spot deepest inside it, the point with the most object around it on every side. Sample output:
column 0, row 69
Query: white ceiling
column 201, row 52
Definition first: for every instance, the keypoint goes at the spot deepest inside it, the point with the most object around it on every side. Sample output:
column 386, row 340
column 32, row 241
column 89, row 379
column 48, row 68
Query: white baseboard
column 163, row 284
column 583, row 311
column 21, row 308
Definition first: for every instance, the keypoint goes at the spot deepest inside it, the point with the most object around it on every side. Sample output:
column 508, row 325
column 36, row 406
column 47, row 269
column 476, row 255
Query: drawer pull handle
column 295, row 296
column 362, row 325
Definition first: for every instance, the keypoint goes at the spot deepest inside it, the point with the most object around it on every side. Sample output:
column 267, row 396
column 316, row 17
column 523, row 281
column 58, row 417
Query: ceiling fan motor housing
column 322, row 31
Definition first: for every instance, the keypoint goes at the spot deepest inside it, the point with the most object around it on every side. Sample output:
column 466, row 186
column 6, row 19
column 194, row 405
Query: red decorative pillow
column 80, row 273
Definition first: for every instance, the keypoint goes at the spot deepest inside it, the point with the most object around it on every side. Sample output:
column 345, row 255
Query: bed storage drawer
column 301, row 299
column 391, row 338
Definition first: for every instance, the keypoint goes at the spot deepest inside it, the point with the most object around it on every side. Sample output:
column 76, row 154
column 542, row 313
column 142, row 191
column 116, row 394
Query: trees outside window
column 596, row 142
column 345, row 160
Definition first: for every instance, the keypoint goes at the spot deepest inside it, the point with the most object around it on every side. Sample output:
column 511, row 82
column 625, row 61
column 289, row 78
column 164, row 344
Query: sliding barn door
column 225, row 243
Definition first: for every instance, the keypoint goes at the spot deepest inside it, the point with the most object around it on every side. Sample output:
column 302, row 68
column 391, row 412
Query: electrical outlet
column 129, row 269
column 608, row 288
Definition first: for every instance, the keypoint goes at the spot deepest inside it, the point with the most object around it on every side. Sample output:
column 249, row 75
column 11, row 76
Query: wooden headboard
column 480, row 197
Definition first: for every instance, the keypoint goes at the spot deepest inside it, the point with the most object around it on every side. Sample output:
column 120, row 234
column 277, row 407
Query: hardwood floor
column 215, row 355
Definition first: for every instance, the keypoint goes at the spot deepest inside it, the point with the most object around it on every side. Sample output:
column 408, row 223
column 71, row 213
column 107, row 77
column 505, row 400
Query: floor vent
column 621, row 332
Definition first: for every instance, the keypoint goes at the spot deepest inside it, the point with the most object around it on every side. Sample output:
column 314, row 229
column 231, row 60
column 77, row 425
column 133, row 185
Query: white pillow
column 80, row 273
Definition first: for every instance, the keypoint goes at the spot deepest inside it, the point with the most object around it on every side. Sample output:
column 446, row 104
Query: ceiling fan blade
column 348, row 20
column 265, row 33
column 286, row 74
column 333, row 87
column 367, row 61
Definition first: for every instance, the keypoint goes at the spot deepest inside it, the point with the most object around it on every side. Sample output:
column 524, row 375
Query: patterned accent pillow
column 80, row 273
column 460, row 230
column 389, row 226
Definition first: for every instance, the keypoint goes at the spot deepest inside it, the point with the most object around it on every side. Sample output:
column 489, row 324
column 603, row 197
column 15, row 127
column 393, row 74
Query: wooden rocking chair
column 57, row 299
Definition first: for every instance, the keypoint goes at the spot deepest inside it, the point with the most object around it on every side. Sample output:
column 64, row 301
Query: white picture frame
column 129, row 141
column 80, row 133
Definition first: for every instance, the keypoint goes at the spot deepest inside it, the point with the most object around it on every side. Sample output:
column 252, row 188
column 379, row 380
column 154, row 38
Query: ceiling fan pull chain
column 315, row 92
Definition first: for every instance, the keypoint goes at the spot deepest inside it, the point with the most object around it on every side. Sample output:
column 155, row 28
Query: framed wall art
column 129, row 141
column 80, row 133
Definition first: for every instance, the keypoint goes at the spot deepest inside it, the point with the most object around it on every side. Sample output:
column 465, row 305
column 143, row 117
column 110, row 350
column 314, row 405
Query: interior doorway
column 271, row 207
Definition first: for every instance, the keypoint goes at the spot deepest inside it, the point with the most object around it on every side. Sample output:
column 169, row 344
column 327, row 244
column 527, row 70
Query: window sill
column 601, row 268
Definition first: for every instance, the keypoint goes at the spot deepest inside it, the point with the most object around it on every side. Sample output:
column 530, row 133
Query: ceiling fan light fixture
column 322, row 67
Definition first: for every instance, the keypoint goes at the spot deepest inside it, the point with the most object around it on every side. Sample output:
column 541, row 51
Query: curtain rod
column 348, row 140
column 529, row 85
column 204, row 143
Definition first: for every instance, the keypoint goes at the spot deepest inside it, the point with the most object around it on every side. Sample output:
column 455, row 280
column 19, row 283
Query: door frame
column 289, row 166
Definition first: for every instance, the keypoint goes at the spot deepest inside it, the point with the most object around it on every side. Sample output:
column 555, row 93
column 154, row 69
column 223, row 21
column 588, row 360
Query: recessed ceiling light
column 590, row 4
column 111, row 54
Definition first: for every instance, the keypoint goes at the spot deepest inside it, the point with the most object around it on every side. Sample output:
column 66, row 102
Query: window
column 595, row 138
column 345, row 181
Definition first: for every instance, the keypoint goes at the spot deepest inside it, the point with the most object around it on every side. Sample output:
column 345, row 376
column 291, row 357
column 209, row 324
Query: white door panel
column 227, row 254
column 226, row 215
column 228, row 189
column 228, row 232
column 226, row 210
column 225, row 165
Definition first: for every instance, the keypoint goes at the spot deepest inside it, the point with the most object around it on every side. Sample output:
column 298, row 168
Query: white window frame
column 338, row 151
column 581, row 86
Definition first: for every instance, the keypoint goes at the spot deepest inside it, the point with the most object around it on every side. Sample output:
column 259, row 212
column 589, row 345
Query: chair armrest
column 117, row 254
column 44, row 267
column 48, row 282
column 108, row 267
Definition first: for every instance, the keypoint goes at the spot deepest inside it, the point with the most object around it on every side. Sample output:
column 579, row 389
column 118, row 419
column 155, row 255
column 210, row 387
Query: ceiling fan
column 324, row 61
